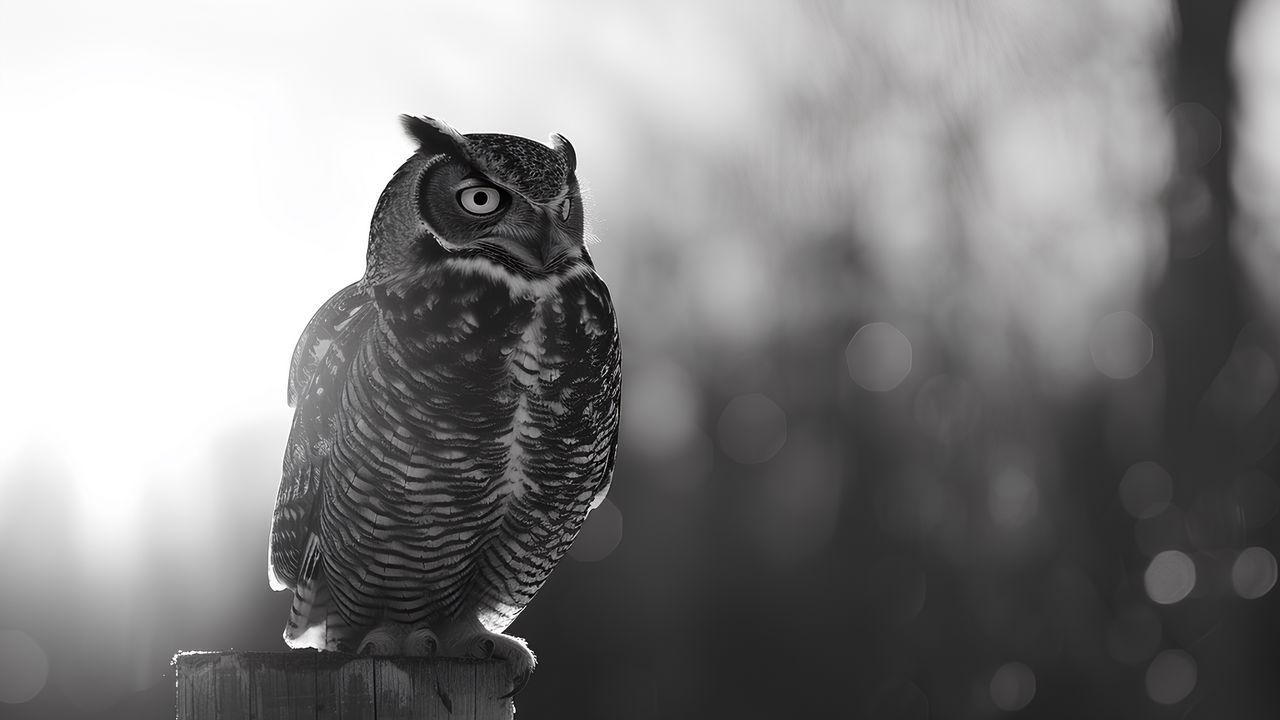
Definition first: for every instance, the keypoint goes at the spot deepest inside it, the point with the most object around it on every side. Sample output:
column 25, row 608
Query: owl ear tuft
column 433, row 136
column 561, row 145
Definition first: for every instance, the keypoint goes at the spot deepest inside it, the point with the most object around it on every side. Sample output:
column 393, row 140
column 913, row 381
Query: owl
column 456, row 409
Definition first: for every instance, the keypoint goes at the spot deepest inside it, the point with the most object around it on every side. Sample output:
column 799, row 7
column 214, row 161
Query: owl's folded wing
column 317, row 375
column 349, row 306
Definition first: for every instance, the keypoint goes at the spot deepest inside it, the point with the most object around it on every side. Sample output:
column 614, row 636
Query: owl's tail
column 307, row 626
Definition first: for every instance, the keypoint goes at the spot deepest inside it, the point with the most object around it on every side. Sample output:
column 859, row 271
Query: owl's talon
column 511, row 650
column 382, row 640
column 517, row 685
column 421, row 642
column 482, row 649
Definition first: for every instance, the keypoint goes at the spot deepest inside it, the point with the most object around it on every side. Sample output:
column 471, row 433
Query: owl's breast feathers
column 449, row 440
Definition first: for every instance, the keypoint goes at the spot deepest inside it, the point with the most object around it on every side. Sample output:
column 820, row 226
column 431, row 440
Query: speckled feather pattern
column 531, row 168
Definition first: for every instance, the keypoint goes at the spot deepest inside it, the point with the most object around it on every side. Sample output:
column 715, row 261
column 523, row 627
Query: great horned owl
column 456, row 408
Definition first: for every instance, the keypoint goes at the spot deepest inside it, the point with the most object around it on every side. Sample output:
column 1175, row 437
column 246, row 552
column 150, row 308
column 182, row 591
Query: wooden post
column 311, row 685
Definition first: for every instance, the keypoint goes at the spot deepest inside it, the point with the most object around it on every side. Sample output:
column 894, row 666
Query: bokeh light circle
column 752, row 429
column 1253, row 574
column 1171, row 677
column 24, row 667
column 1145, row 490
column 1013, row 686
column 1121, row 345
column 600, row 534
column 1170, row 577
column 878, row 357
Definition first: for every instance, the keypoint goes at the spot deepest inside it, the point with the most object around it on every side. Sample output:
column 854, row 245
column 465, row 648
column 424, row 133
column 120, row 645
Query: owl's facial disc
column 466, row 209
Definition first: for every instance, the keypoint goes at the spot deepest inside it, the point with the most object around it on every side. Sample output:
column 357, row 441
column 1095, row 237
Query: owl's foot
column 384, row 640
column 399, row 639
column 511, row 650
column 421, row 642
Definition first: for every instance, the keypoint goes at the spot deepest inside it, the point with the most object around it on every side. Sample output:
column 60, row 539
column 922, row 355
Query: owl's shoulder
column 325, row 339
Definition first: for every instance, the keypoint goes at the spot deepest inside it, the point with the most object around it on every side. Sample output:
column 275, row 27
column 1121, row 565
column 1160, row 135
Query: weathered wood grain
column 309, row 685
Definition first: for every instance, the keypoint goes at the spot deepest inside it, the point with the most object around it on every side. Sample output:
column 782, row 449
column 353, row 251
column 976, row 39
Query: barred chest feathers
column 496, row 394
column 521, row 361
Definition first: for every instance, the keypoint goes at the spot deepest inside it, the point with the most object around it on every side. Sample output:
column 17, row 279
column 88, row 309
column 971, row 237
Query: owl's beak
column 548, row 244
column 529, row 253
column 557, row 243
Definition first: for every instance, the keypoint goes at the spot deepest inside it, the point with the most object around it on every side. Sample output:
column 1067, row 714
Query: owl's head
column 503, row 199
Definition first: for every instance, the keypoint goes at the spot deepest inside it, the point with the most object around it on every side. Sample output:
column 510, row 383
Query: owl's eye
column 480, row 199
column 566, row 207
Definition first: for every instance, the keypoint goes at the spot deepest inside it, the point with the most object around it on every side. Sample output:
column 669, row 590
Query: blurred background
column 951, row 333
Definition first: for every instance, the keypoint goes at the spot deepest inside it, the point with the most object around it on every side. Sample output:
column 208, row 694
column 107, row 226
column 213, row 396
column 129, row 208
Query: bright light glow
column 1256, row 155
column 24, row 667
column 1013, row 686
column 878, row 357
column 1121, row 345
column 1170, row 577
column 1145, row 490
column 1253, row 574
column 752, row 429
column 1056, row 237
column 1171, row 677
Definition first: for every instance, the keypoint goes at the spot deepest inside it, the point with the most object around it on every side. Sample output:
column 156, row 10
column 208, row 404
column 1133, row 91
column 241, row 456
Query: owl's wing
column 608, row 413
column 346, row 308
column 317, row 375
